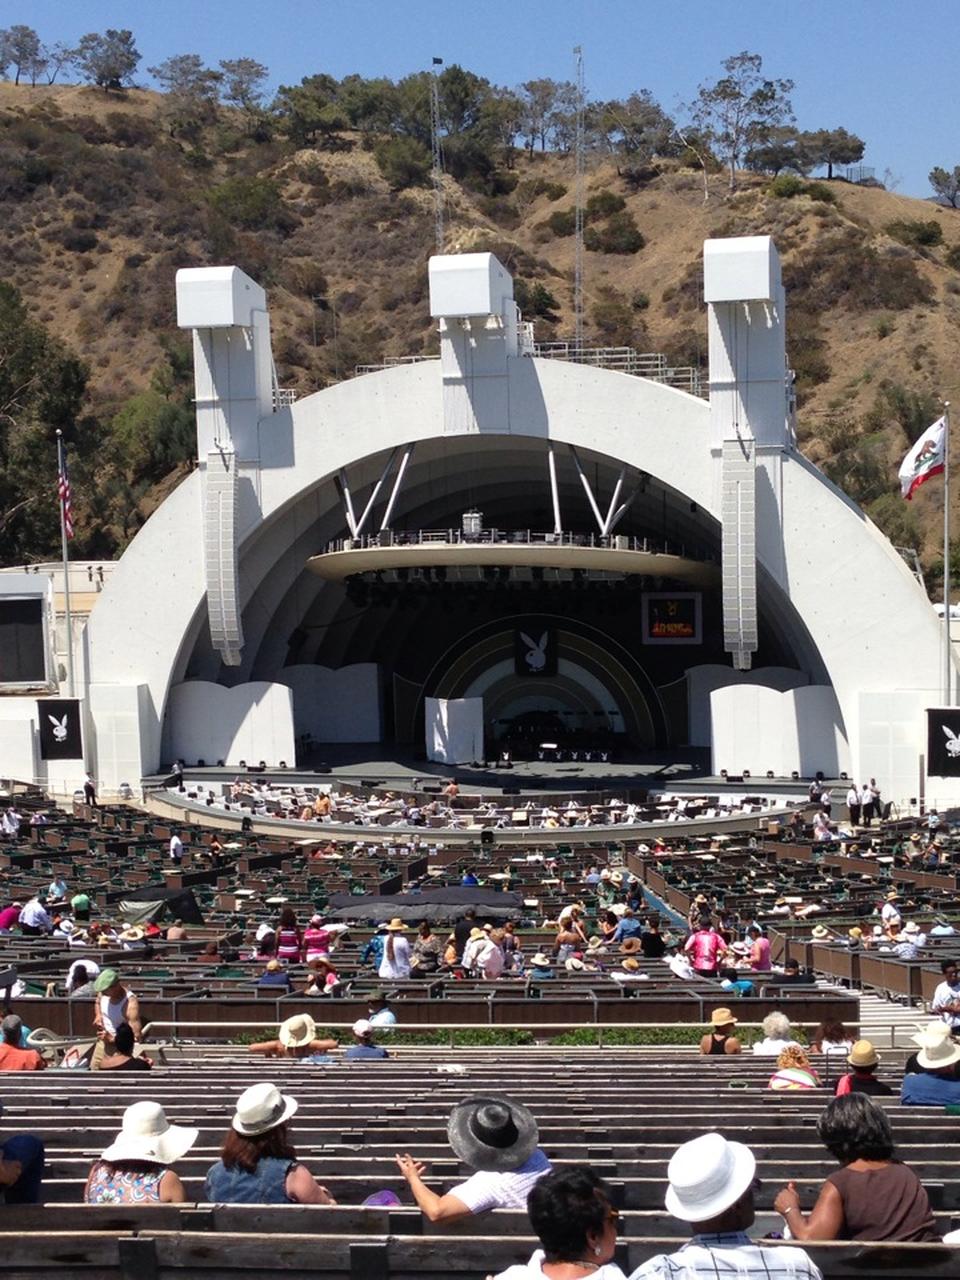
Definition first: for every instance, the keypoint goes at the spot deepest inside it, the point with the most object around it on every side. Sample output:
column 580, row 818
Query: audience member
column 274, row 977
column 395, row 964
column 946, row 996
column 22, row 1162
column 13, row 1057
column 872, row 1196
column 134, row 1169
column 831, row 1037
column 34, row 918
column 722, row 1039
column 258, row 1164
column 572, row 1213
column 296, row 1038
column 121, row 1056
column 776, row 1035
column 711, row 1187
column 115, row 1004
column 289, row 937
column 864, row 1060
column 935, row 1085
column 793, row 1071
column 496, row 1136
column 704, row 946
column 364, row 1049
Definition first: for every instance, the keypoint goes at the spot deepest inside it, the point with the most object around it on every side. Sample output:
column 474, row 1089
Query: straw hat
column 492, row 1132
column 892, row 894
column 616, row 877
column 723, row 1018
column 541, row 961
column 396, row 925
column 855, row 932
column 708, row 1175
column 863, row 1054
column 701, row 897
column 936, row 1055
column 911, row 927
column 476, row 933
column 931, row 1033
column 630, row 946
column 573, row 965
column 261, row 1108
column 819, row 931
column 133, row 934
column 148, row 1135
column 631, row 964
column 297, row 1031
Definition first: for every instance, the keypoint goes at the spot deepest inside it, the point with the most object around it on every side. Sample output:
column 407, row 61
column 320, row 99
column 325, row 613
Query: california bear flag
column 924, row 460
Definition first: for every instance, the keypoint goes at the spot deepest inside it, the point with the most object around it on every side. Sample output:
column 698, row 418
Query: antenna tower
column 437, row 168
column 578, row 231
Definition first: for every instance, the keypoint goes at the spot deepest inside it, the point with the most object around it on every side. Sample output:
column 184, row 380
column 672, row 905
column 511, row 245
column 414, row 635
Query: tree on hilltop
column 834, row 146
column 309, row 111
column 737, row 110
column 243, row 83
column 108, row 60
column 538, row 99
column 20, row 48
column 191, row 89
column 946, row 184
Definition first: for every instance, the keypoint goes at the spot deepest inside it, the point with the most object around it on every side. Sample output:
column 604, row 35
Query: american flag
column 63, row 492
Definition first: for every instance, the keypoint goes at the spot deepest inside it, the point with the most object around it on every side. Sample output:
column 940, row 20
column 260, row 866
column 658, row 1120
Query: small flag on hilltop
column 63, row 492
column 924, row 460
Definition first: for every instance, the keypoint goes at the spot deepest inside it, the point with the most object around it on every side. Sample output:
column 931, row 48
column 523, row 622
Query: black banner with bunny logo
column 535, row 651
column 60, row 735
column 943, row 742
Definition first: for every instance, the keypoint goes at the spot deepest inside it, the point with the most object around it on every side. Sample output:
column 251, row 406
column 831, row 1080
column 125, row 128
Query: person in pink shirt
column 759, row 949
column 9, row 916
column 705, row 946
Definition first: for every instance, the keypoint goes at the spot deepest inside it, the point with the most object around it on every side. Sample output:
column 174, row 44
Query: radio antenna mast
column 578, row 229
column 437, row 166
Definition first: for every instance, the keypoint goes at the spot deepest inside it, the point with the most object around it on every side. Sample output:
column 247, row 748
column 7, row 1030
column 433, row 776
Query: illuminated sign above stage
column 672, row 617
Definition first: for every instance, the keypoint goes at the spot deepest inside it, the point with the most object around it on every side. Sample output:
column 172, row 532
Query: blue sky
column 884, row 69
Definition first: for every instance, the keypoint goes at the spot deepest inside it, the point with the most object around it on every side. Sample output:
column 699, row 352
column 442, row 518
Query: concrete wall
column 336, row 706
column 761, row 729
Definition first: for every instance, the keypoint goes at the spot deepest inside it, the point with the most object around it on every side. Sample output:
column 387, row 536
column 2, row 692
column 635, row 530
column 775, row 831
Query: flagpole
column 66, row 570
column 946, row 555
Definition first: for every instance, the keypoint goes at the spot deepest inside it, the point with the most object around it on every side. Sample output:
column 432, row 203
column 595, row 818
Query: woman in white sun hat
column 297, row 1038
column 258, row 1164
column 134, row 1169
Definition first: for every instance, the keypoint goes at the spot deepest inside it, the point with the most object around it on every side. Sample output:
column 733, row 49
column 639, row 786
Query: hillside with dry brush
column 101, row 205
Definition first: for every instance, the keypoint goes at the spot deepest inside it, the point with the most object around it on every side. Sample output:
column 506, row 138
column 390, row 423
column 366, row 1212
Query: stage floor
column 672, row 769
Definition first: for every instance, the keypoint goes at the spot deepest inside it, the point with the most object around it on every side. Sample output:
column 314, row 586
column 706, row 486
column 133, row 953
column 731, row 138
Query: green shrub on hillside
column 253, row 204
column 787, row 185
column 562, row 222
column 952, row 257
column 620, row 234
column 602, row 204
column 918, row 233
column 404, row 162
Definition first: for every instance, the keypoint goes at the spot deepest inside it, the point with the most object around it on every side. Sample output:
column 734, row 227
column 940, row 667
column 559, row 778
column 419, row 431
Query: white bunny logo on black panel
column 536, row 658
column 953, row 741
column 59, row 728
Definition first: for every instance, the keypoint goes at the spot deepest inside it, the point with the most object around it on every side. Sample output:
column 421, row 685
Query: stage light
column 746, row 773
column 723, row 773
column 844, row 777
column 795, row 776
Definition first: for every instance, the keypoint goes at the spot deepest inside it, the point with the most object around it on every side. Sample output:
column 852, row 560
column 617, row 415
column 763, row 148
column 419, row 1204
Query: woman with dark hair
column 571, row 1212
column 258, row 1164
column 426, row 952
column 831, row 1037
column 872, row 1196
column 289, row 937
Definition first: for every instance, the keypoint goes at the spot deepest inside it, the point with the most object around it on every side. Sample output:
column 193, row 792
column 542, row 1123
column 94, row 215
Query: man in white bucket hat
column 711, row 1187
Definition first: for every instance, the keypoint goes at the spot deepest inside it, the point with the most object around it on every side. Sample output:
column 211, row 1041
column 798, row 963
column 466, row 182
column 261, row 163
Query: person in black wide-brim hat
column 496, row 1136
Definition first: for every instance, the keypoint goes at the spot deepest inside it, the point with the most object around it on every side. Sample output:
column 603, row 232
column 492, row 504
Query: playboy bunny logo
column 536, row 659
column 60, row 729
column 953, row 742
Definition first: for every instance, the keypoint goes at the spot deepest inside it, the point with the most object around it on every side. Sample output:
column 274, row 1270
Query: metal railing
column 652, row 365
column 518, row 537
